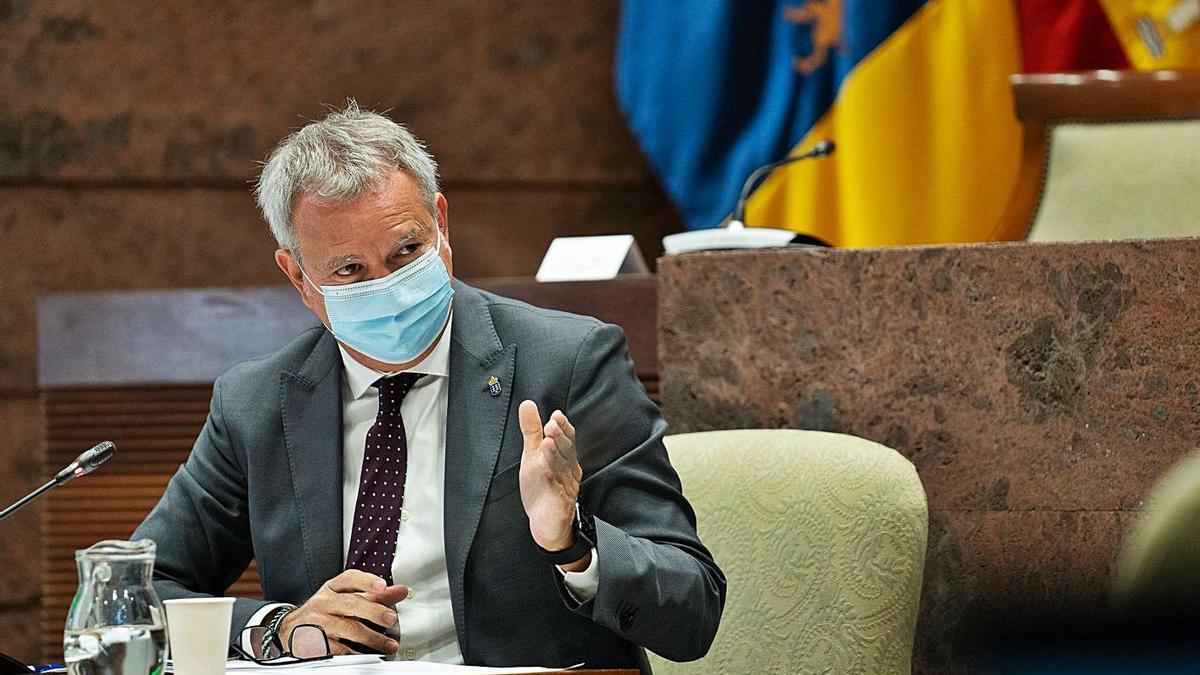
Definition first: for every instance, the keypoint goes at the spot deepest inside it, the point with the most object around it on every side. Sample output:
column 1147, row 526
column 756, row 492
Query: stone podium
column 1039, row 389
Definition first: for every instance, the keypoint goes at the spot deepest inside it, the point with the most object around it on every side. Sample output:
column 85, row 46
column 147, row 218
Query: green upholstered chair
column 1159, row 564
column 822, row 537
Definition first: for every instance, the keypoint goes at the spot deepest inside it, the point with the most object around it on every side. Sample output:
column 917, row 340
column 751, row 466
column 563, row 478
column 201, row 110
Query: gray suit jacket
column 264, row 482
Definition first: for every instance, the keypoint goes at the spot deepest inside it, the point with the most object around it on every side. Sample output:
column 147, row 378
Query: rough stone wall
column 129, row 132
column 1038, row 389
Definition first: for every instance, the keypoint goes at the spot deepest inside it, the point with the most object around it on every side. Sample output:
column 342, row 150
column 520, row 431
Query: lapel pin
column 494, row 386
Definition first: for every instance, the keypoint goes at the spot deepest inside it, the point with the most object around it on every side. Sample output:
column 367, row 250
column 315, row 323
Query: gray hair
column 339, row 159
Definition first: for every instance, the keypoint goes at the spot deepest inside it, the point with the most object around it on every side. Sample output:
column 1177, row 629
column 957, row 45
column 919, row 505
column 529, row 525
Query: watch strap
column 585, row 537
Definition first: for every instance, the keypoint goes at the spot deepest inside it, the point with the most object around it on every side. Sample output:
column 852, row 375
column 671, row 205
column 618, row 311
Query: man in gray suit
column 392, row 473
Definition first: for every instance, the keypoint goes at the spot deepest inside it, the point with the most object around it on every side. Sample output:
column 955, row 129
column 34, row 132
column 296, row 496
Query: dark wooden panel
column 146, row 338
column 110, row 503
column 628, row 301
column 58, row 240
column 63, row 240
column 22, row 636
column 162, row 336
column 21, row 458
column 177, row 90
column 505, row 232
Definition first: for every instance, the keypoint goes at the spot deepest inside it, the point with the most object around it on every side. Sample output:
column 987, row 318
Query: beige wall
column 129, row 130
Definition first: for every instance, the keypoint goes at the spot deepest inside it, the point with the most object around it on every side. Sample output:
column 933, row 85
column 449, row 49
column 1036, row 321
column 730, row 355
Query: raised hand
column 550, row 476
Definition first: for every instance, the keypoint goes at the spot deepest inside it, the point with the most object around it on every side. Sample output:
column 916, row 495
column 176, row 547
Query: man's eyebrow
column 340, row 261
column 407, row 238
column 337, row 262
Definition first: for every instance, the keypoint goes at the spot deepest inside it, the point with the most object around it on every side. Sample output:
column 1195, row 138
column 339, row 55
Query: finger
column 355, row 631
column 354, row 606
column 356, row 581
column 531, row 424
column 338, row 649
column 564, row 445
column 553, row 457
column 389, row 596
column 553, row 430
column 565, row 424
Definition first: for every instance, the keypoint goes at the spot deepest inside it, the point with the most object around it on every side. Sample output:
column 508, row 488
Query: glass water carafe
column 116, row 625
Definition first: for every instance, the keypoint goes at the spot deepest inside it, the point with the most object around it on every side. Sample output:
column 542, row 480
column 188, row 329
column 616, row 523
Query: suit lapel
column 312, row 430
column 475, row 430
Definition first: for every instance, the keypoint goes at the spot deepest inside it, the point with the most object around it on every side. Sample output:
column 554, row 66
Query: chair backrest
column 1159, row 564
column 1120, row 180
column 822, row 538
column 1107, row 155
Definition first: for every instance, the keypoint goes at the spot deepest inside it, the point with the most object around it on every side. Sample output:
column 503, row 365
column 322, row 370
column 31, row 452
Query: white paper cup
column 199, row 632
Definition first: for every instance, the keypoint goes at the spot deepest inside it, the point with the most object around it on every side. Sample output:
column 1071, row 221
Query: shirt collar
column 359, row 377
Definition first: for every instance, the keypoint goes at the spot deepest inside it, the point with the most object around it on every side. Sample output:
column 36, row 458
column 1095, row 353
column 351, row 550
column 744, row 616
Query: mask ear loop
column 438, row 247
column 310, row 281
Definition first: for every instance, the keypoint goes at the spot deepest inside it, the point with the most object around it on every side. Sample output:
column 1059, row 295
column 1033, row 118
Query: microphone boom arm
column 87, row 462
column 20, row 503
column 821, row 149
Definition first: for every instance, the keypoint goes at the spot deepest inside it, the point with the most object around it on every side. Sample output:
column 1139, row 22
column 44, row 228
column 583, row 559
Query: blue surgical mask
column 396, row 318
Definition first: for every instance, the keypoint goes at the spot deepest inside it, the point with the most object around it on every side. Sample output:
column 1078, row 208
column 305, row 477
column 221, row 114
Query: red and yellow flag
column 928, row 145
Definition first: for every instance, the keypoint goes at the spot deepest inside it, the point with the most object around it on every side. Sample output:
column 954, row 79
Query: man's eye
column 347, row 271
column 409, row 250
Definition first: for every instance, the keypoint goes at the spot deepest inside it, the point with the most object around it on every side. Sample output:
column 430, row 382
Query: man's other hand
column 550, row 476
column 341, row 606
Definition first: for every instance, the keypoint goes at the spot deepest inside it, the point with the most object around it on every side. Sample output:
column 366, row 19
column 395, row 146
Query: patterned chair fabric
column 822, row 537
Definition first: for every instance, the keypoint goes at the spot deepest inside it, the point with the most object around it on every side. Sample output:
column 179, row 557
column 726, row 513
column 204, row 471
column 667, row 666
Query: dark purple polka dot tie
column 381, row 486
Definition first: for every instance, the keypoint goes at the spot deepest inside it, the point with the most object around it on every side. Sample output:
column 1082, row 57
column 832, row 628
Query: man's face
column 366, row 239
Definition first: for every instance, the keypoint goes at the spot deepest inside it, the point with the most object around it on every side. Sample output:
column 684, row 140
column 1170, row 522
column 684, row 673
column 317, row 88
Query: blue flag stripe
column 712, row 89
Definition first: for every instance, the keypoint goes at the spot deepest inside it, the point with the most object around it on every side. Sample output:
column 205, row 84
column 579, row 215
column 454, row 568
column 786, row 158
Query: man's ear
column 443, row 216
column 309, row 295
column 290, row 268
column 444, row 226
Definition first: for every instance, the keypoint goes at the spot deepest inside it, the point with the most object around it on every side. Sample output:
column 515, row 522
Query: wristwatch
column 585, row 539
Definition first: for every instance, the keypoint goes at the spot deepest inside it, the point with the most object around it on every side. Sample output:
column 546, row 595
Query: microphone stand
column 735, row 235
column 20, row 503
column 85, row 463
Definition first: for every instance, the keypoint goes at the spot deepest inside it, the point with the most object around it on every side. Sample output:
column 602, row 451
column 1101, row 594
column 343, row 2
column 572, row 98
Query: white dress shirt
column 425, row 630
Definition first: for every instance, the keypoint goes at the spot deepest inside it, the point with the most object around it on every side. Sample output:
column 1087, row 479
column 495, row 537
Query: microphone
column 87, row 462
column 821, row 149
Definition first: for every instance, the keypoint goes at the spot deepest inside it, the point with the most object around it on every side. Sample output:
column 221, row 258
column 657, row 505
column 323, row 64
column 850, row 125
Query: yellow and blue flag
column 915, row 94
